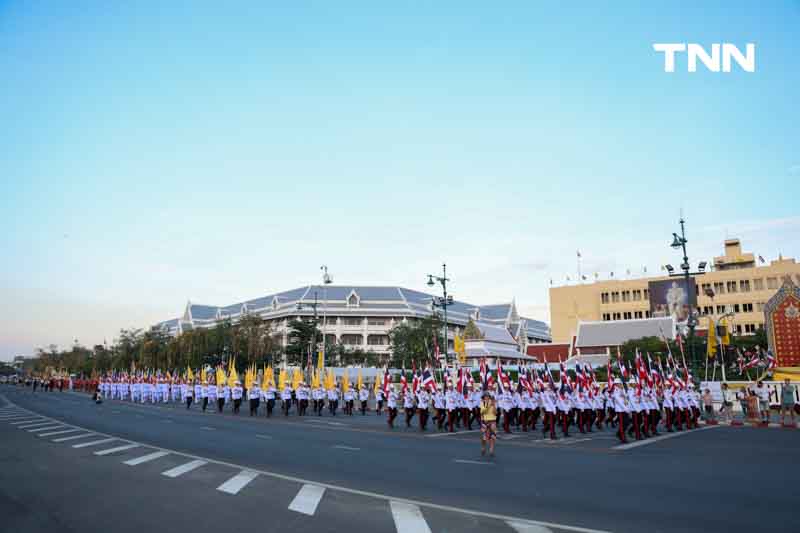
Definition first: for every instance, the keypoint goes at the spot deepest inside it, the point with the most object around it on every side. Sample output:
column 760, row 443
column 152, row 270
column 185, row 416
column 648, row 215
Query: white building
column 361, row 317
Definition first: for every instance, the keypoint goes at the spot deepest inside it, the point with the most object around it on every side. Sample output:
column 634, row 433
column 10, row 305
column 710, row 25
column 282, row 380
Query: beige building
column 738, row 283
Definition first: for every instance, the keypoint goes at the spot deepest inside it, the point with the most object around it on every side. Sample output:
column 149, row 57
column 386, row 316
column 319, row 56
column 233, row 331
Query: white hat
column 618, row 381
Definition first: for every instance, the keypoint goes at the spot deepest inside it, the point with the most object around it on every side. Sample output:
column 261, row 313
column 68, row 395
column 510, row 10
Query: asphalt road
column 212, row 472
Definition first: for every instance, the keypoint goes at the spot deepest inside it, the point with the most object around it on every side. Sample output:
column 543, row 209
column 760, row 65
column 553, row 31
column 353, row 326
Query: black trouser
column 236, row 404
column 287, row 404
column 423, row 419
column 254, row 406
column 220, row 404
column 392, row 416
column 350, row 404
column 270, row 406
column 380, row 408
column 188, row 402
column 333, row 405
column 363, row 407
column 205, row 403
column 409, row 416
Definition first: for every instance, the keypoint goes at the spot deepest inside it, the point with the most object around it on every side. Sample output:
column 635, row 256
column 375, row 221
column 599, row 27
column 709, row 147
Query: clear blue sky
column 155, row 152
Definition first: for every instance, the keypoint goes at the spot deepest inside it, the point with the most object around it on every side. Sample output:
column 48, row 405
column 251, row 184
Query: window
column 604, row 298
column 749, row 328
column 760, row 306
column 615, row 297
column 331, row 321
column 731, row 286
column 352, row 340
column 758, row 284
column 638, row 314
column 719, row 287
column 626, row 296
column 617, row 316
column 747, row 308
column 735, row 308
column 353, row 321
column 744, row 285
column 378, row 340
column 720, row 309
column 376, row 321
column 627, row 315
column 646, row 294
column 606, row 316
column 706, row 287
column 647, row 313
column 637, row 295
column 708, row 310
column 772, row 283
column 738, row 329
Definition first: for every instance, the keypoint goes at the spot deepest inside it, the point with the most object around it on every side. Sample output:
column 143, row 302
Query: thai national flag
column 484, row 373
column 415, row 383
column 387, row 380
column 427, row 379
column 403, row 381
column 505, row 382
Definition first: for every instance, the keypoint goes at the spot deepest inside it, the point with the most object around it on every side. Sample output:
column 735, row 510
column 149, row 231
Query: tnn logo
column 746, row 61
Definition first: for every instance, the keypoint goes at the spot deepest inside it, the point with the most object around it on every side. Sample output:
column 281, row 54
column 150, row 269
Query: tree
column 301, row 335
column 414, row 340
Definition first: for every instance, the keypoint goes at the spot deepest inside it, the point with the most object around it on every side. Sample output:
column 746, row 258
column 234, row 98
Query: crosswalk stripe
column 35, row 424
column 92, row 443
column 238, row 482
column 47, row 428
column 184, row 468
column 27, row 420
column 117, row 449
column 408, row 518
column 145, row 458
column 521, row 527
column 73, row 437
column 13, row 417
column 50, row 434
column 307, row 499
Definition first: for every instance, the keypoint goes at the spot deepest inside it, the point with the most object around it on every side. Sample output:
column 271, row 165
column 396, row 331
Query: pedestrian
column 741, row 397
column 708, row 405
column 363, row 397
column 488, row 423
column 236, row 395
column 726, row 411
column 763, row 401
column 391, row 405
column 787, row 401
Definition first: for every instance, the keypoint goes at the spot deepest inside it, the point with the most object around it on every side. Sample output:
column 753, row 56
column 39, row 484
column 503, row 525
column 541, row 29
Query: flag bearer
column 363, row 397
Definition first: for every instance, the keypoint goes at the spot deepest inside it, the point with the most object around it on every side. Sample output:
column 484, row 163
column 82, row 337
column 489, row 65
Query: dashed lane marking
column 28, row 421
column 145, row 458
column 207, row 428
column 408, row 518
column 238, row 482
column 117, row 449
column 74, row 437
column 36, row 424
column 265, row 437
column 184, row 468
column 93, row 443
column 453, row 434
column 307, row 499
column 348, row 448
column 653, row 440
column 471, row 462
column 527, row 528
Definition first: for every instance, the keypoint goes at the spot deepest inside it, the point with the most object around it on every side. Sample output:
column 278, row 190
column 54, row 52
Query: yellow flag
column 297, row 377
column 725, row 336
column 315, row 379
column 233, row 375
column 320, row 360
column 359, row 380
column 330, row 380
column 711, row 346
column 346, row 380
column 189, row 373
column 377, row 386
column 221, row 377
column 282, row 379
column 249, row 378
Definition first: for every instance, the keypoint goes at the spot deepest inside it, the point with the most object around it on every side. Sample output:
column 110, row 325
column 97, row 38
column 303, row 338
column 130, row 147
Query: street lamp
column 444, row 301
column 679, row 242
column 326, row 280
column 313, row 341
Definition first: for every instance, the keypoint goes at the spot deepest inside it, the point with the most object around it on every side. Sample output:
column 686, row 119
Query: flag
column 377, row 386
column 359, row 380
column 770, row 361
column 610, row 377
column 711, row 344
column 403, row 380
column 427, row 379
column 505, row 382
column 346, row 380
column 387, row 380
column 415, row 377
column 483, row 373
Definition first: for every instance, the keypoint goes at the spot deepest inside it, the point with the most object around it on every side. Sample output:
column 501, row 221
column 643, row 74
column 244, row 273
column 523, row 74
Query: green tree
column 413, row 340
column 301, row 336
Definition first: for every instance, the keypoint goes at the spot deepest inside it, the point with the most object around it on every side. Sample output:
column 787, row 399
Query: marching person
column 408, row 405
column 333, row 400
column 422, row 408
column 379, row 401
column 188, row 394
column 211, row 390
column 236, row 395
column 363, row 397
column 268, row 394
column 254, row 396
column 391, row 406
column 286, row 399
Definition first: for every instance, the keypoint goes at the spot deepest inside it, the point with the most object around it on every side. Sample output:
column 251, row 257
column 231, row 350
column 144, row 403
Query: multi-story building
column 735, row 284
column 360, row 317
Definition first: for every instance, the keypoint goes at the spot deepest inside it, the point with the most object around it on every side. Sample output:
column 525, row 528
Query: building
column 736, row 283
column 361, row 317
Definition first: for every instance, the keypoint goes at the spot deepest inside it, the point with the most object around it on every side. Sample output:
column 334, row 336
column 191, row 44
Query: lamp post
column 442, row 302
column 326, row 280
column 679, row 241
column 313, row 341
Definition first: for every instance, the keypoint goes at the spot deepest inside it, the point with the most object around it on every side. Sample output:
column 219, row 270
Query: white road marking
column 208, row 428
column 349, row 448
column 238, row 482
column 520, row 527
column 47, row 428
column 408, row 518
column 326, row 422
column 265, row 437
column 28, row 420
column 184, row 468
column 453, row 434
column 15, row 417
column 36, row 424
column 307, row 499
column 356, row 492
column 145, row 458
column 64, row 439
column 117, row 449
column 471, row 462
column 50, row 434
column 92, row 443
column 653, row 440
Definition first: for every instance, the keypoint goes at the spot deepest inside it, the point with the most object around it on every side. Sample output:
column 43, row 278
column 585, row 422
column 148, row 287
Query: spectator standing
column 763, row 401
column 787, row 401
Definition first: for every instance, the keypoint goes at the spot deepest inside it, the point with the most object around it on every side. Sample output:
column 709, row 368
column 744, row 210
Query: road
column 69, row 464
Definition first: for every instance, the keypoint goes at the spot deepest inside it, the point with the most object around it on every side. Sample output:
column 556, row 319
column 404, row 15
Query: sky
column 159, row 152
